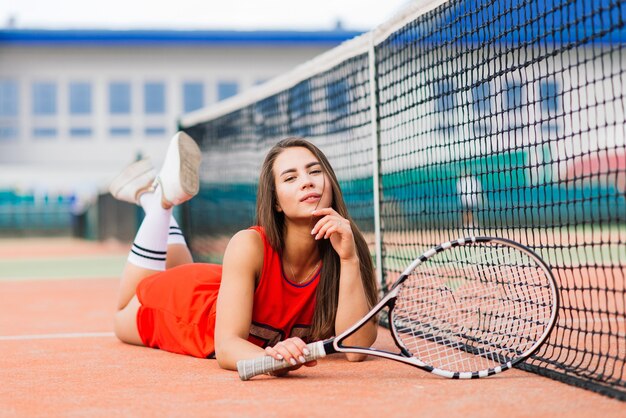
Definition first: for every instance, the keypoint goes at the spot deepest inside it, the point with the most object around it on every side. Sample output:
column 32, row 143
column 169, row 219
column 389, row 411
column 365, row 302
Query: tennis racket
column 465, row 309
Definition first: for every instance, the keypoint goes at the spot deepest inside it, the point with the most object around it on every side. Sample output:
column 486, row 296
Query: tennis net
column 456, row 118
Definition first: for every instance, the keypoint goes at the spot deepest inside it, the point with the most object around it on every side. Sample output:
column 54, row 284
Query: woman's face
column 301, row 184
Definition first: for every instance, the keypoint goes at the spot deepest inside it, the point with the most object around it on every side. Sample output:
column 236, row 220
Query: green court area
column 570, row 246
column 84, row 267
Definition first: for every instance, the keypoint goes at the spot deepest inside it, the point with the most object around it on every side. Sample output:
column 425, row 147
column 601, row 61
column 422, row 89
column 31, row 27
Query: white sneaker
column 132, row 181
column 179, row 177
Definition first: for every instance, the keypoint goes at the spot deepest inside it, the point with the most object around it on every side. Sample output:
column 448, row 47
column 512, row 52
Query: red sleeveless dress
column 177, row 311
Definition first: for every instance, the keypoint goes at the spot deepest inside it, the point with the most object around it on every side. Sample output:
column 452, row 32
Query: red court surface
column 58, row 357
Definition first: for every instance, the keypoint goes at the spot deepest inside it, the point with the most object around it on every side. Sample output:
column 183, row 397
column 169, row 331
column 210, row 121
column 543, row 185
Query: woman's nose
column 307, row 181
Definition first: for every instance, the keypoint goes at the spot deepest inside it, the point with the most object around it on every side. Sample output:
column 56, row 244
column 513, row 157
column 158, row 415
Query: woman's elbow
column 222, row 362
column 355, row 357
column 225, row 363
column 223, row 359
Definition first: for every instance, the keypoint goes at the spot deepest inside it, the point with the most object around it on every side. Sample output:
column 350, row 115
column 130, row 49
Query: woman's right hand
column 291, row 350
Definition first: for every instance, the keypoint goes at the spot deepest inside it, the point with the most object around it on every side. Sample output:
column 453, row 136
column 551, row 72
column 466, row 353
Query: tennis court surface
column 59, row 357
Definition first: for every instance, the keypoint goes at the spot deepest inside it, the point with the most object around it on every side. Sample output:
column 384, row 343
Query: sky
column 197, row 14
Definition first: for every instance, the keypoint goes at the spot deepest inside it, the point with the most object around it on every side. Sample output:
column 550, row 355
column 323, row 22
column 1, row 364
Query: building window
column 226, row 89
column 120, row 131
column 267, row 117
column 299, row 108
column 155, row 131
column 9, row 95
column 550, row 96
column 80, row 132
column 44, row 99
column 154, row 98
column 337, row 98
column 481, row 96
column 44, row 132
column 514, row 96
column 8, row 132
column 193, row 96
column 445, row 100
column 445, row 106
column 9, row 109
column 119, row 98
column 80, row 98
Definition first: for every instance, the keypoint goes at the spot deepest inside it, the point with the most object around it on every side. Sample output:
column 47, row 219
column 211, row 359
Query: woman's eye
column 316, row 172
column 289, row 178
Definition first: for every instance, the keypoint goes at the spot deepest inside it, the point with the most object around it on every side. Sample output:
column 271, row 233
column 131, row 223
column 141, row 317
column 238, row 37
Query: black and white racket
column 465, row 309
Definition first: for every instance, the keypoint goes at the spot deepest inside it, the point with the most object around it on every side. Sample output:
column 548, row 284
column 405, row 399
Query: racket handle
column 249, row 368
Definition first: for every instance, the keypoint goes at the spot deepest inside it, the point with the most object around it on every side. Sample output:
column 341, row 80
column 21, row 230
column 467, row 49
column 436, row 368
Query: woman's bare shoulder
column 247, row 238
column 246, row 247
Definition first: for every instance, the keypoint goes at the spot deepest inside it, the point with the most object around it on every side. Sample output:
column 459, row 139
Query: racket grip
column 249, row 368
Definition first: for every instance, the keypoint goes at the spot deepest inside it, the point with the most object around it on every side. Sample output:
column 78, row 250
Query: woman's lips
column 311, row 198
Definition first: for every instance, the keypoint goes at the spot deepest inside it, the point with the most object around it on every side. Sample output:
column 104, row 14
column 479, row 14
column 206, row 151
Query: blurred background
column 88, row 88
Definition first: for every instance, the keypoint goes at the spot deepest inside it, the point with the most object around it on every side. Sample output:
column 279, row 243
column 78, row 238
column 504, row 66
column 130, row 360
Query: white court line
column 56, row 336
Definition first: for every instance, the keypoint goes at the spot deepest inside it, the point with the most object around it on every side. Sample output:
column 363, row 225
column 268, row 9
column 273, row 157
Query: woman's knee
column 125, row 324
column 121, row 327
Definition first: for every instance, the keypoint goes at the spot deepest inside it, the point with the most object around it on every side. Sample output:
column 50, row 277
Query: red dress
column 177, row 311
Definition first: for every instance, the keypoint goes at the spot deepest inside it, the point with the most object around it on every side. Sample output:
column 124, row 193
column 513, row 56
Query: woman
column 303, row 273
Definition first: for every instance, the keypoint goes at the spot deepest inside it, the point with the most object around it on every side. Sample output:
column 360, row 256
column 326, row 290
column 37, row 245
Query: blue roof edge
column 64, row 37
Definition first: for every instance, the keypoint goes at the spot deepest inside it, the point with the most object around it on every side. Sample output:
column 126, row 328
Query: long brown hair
column 273, row 221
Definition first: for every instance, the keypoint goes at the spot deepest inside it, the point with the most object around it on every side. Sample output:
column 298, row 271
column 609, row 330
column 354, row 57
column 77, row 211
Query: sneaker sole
column 190, row 159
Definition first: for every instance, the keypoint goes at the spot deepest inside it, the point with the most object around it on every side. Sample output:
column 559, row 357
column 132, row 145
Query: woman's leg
column 149, row 250
column 158, row 237
column 177, row 251
column 158, row 229
column 126, row 318
column 177, row 255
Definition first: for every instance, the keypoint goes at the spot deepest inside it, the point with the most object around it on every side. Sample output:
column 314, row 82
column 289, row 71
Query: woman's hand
column 291, row 350
column 336, row 228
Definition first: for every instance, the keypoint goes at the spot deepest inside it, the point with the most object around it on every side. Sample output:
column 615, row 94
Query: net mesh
column 494, row 117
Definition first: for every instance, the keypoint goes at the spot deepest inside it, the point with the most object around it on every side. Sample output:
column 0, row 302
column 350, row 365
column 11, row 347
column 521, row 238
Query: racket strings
column 444, row 332
column 487, row 322
column 523, row 286
column 472, row 309
column 465, row 340
column 491, row 320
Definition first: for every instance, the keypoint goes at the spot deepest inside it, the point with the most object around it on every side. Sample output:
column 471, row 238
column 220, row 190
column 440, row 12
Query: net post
column 375, row 159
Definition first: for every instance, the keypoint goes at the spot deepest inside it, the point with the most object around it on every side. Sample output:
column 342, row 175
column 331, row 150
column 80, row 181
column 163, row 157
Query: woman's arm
column 243, row 262
column 352, row 306
column 352, row 303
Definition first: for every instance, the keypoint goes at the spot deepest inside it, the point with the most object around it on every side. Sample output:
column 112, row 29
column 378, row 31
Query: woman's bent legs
column 159, row 243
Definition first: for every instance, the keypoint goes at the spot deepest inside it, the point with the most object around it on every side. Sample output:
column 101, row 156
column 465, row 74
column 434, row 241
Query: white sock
column 149, row 249
column 176, row 234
